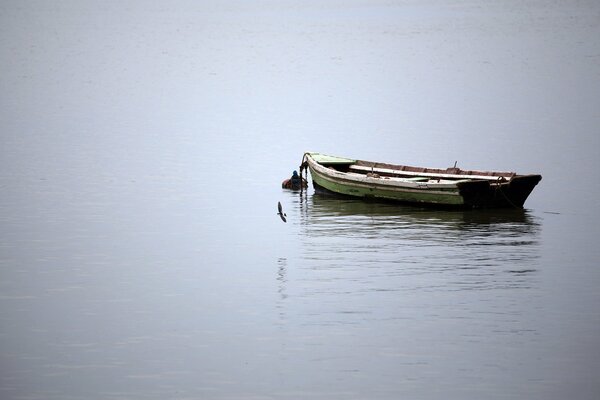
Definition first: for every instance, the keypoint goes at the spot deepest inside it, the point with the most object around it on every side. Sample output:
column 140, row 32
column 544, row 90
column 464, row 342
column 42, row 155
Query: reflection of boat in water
column 451, row 187
column 481, row 249
column 349, row 207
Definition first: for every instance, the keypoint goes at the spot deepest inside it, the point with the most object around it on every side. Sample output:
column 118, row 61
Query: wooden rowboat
column 451, row 187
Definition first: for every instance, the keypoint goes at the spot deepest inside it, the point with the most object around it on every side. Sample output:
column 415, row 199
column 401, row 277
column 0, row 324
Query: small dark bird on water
column 281, row 213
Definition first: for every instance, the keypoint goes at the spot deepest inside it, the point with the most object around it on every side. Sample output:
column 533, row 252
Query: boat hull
column 460, row 193
column 373, row 192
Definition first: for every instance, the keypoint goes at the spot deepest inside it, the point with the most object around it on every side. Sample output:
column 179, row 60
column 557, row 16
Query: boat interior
column 418, row 174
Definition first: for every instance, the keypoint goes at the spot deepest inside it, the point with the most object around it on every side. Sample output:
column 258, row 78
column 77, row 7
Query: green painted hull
column 424, row 196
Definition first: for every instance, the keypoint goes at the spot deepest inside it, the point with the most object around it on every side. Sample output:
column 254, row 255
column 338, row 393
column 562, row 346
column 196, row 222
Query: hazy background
column 142, row 146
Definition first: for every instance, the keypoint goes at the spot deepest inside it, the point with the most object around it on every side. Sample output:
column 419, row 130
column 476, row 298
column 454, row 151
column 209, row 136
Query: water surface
column 142, row 148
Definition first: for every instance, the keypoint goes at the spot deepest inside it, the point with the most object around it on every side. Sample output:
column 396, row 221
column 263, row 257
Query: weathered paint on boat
column 451, row 187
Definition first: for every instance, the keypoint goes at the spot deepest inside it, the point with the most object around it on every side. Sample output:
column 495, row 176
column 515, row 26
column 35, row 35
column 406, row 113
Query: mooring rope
column 303, row 165
column 499, row 188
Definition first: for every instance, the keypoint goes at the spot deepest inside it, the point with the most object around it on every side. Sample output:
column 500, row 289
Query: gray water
column 142, row 149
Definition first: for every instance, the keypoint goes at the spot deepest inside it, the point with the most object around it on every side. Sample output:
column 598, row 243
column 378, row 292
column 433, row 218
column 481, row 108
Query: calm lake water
column 142, row 147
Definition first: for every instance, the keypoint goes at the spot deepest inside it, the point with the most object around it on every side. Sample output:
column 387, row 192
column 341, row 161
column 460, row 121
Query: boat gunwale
column 433, row 172
column 453, row 171
column 413, row 171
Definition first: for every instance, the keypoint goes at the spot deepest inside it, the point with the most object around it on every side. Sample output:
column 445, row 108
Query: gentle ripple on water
column 377, row 291
column 375, row 288
column 459, row 250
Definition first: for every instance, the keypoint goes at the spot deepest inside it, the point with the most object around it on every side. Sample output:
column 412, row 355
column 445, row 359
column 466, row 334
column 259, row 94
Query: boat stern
column 490, row 194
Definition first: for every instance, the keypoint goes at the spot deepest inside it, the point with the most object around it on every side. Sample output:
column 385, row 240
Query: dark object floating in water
column 450, row 187
column 522, row 271
column 296, row 182
column 280, row 212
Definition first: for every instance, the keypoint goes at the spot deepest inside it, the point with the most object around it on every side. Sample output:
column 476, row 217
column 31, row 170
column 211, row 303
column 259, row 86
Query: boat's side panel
column 415, row 194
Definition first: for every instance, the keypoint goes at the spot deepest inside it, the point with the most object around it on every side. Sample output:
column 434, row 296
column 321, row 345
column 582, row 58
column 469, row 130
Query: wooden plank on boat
column 324, row 159
column 364, row 168
column 417, row 179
